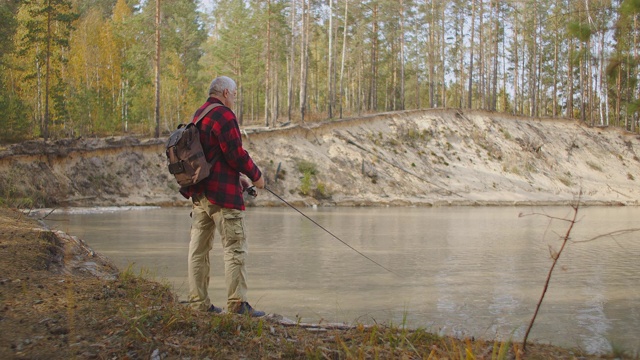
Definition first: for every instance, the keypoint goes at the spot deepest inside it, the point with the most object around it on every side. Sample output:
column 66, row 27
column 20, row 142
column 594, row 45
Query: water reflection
column 463, row 271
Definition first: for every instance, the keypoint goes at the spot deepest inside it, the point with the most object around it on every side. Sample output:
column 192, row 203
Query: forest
column 82, row 68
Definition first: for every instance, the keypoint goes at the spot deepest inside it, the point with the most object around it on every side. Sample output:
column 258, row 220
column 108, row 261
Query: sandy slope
column 423, row 158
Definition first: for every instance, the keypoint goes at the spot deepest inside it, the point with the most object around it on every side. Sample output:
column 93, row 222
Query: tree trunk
column 494, row 96
column 344, row 49
column 157, row 61
column 634, row 116
column 581, row 67
column 304, row 58
column 471, row 46
column 555, row 67
column 482, row 62
column 373, row 102
column 330, row 60
column 460, row 40
column 45, row 123
column 442, row 57
column 240, row 89
column 267, row 88
column 603, row 89
column 431, row 56
column 628, row 89
column 515, row 65
column 533, row 69
column 570, row 81
column 291, row 61
column 401, row 55
column 504, row 75
column 275, row 99
column 618, row 95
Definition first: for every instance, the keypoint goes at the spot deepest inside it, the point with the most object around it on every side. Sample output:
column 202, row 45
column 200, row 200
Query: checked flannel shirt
column 219, row 133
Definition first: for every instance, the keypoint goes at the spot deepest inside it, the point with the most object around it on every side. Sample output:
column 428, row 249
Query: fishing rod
column 383, row 158
column 327, row 231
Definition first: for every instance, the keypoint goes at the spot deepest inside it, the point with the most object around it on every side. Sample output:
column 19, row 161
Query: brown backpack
column 185, row 155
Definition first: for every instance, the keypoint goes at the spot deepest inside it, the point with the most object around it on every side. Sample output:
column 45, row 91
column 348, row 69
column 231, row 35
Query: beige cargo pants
column 205, row 219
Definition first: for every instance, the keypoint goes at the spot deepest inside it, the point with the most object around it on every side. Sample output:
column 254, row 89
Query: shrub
column 305, row 185
column 321, row 192
column 305, row 166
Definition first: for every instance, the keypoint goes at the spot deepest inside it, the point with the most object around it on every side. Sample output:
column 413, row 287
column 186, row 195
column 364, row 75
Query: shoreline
column 421, row 311
column 87, row 260
column 102, row 208
column 81, row 289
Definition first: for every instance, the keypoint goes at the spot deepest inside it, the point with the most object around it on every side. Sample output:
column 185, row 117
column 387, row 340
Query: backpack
column 185, row 155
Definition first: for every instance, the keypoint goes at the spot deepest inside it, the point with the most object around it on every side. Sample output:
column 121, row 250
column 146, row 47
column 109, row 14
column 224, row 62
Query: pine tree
column 12, row 108
column 47, row 27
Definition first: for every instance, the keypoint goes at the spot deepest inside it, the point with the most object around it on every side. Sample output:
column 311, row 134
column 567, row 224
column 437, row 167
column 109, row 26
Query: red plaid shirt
column 219, row 133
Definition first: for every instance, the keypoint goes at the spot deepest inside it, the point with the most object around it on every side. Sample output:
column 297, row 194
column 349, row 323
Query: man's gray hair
column 219, row 84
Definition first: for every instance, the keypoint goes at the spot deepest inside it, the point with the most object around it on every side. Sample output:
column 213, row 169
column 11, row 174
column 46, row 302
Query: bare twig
column 49, row 213
column 555, row 256
column 545, row 215
column 611, row 234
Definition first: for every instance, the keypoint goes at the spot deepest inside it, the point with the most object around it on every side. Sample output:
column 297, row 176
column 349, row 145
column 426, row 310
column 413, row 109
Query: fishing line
column 328, row 232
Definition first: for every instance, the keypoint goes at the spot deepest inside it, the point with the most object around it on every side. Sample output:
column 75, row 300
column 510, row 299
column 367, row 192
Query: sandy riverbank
column 412, row 158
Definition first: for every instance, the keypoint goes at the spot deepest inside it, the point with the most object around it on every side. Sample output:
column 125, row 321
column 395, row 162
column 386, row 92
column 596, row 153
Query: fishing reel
column 251, row 190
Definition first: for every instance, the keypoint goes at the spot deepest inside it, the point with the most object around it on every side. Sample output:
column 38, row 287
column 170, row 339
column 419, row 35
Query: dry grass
column 51, row 307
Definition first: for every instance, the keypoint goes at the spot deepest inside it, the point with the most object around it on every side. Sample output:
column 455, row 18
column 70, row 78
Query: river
column 463, row 271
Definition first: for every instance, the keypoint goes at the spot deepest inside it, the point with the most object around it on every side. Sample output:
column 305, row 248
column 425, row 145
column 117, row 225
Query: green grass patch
column 305, row 166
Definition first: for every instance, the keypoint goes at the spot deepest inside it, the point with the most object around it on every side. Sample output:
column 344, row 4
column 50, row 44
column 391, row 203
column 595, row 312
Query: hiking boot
column 214, row 309
column 245, row 308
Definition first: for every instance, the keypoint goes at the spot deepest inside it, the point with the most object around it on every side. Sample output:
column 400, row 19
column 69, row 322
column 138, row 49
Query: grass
column 321, row 191
column 506, row 134
column 305, row 183
column 309, row 170
column 305, row 166
column 11, row 195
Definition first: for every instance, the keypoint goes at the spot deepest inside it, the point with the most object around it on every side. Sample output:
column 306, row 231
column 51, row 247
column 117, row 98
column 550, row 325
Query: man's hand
column 244, row 182
column 259, row 183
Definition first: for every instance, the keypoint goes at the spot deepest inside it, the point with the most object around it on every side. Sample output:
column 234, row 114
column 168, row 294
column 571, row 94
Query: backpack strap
column 202, row 115
column 205, row 112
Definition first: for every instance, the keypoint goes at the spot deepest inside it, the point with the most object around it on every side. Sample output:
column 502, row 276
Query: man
column 218, row 203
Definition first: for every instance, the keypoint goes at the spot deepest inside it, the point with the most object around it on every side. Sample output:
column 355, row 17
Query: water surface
column 466, row 271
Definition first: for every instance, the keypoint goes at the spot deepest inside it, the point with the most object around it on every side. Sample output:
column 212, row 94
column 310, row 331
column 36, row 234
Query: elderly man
column 218, row 202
